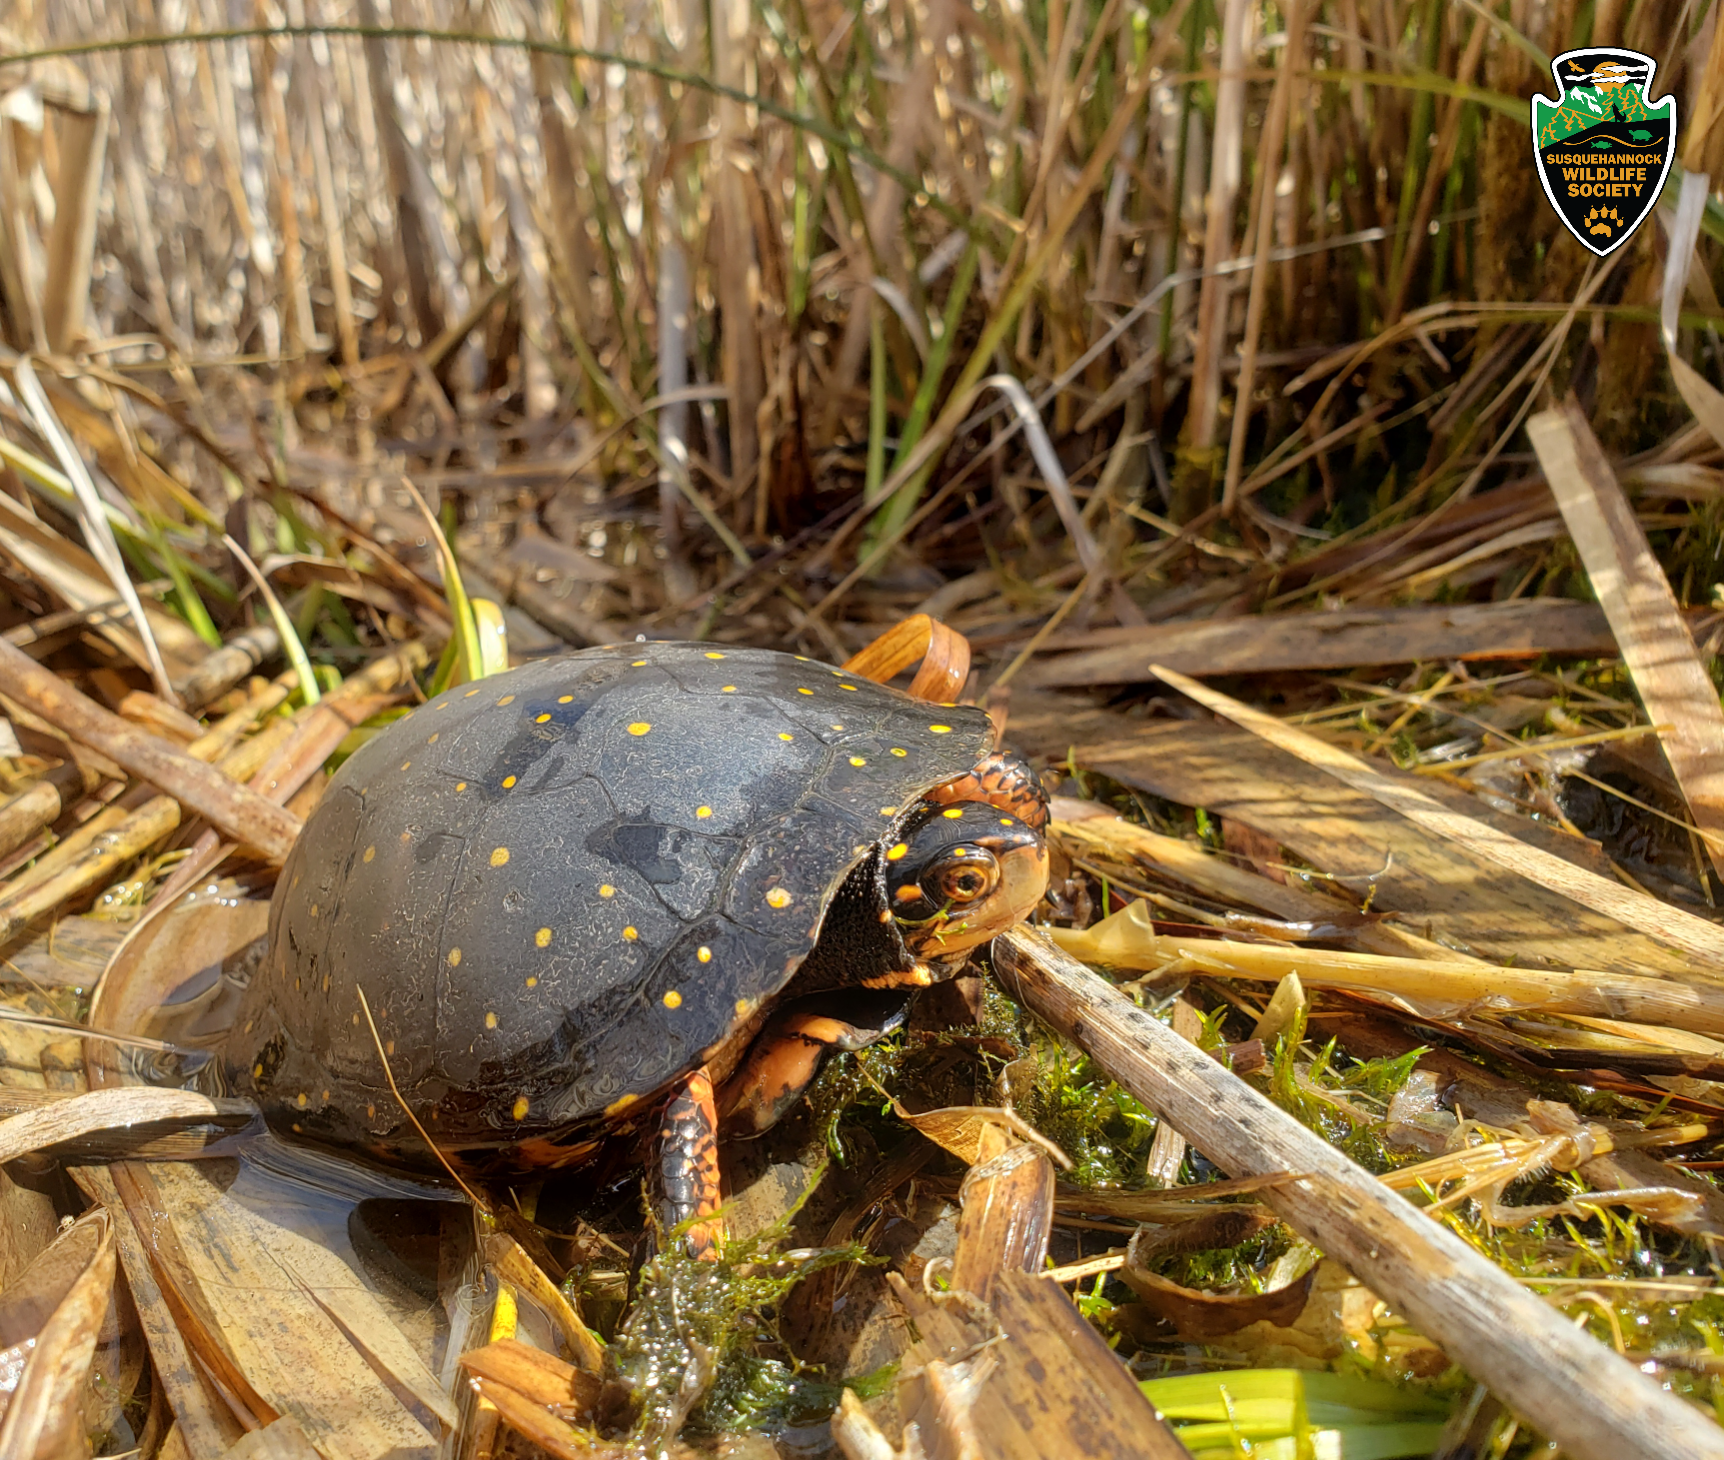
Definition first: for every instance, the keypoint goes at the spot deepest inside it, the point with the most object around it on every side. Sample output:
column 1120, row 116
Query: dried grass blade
column 92, row 513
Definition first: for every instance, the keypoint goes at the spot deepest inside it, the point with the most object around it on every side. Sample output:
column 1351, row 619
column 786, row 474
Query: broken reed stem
column 1529, row 1354
column 240, row 813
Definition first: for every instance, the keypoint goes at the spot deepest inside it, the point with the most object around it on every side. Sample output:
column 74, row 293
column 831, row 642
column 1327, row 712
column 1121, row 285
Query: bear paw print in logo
column 1603, row 221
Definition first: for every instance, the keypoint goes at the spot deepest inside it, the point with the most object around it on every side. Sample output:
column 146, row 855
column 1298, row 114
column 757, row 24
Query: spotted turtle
column 636, row 883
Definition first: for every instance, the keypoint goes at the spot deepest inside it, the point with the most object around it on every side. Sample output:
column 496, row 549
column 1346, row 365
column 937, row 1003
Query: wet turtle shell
column 565, row 886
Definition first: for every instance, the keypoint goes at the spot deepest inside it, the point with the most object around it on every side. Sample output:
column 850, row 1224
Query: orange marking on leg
column 688, row 1163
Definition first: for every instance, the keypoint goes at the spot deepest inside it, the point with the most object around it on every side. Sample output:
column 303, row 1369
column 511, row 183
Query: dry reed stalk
column 1531, row 1356
column 736, row 264
column 1203, row 413
column 71, row 245
column 1435, row 987
column 1263, row 216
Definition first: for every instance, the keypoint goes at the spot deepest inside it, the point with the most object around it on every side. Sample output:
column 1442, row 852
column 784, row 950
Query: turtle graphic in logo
column 1603, row 148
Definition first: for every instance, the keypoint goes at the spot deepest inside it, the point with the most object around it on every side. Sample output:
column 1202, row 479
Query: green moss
column 699, row 1342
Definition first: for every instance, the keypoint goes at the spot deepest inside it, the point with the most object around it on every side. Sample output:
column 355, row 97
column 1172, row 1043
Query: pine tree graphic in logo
column 1603, row 148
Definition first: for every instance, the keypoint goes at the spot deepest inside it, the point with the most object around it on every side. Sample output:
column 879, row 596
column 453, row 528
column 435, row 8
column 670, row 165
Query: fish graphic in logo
column 1603, row 148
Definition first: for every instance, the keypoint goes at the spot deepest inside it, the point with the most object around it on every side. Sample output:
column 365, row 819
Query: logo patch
column 1603, row 148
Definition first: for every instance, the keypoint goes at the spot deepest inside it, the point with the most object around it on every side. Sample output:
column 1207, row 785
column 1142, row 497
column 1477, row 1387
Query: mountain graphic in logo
column 1603, row 148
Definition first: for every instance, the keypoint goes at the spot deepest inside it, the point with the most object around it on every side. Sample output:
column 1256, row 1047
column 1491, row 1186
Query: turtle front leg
column 785, row 1058
column 688, row 1175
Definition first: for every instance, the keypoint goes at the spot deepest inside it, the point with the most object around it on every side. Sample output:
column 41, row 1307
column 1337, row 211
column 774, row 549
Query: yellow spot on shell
column 703, row 812
column 728, row 689
column 801, row 691
column 899, row 852
column 858, row 760
column 490, row 1020
column 606, row 890
column 888, row 810
column 257, row 1072
column 565, row 699
column 519, row 1108
column 715, row 656
column 454, row 958
column 407, row 835
column 507, row 782
column 460, row 785
column 1007, row 821
column 847, row 686
column 540, row 720
column 630, row 933
column 370, row 852
column 500, row 857
column 406, row 765
column 314, row 909
column 620, row 1104
column 777, row 897
column 532, row 982
column 672, row 999
column 640, row 727
column 785, row 735
column 896, row 751
column 433, row 739
column 952, row 813
column 745, row 1007
column 543, row 937
column 302, row 1100
column 470, row 693
column 941, row 729
column 506, row 700
column 704, row 954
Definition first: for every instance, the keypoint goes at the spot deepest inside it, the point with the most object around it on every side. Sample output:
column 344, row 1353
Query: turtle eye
column 965, row 874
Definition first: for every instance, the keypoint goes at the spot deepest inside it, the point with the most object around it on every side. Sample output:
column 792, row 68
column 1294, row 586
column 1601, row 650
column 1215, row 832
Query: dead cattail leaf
column 100, row 1110
column 49, row 1320
column 1681, row 930
column 1669, row 675
column 542, row 1378
column 945, row 656
column 970, row 1132
column 509, row 1260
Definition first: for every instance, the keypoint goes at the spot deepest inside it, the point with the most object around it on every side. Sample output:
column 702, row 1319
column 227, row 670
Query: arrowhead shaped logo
column 1603, row 148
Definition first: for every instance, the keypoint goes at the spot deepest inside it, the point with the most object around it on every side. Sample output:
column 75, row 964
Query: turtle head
column 961, row 873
